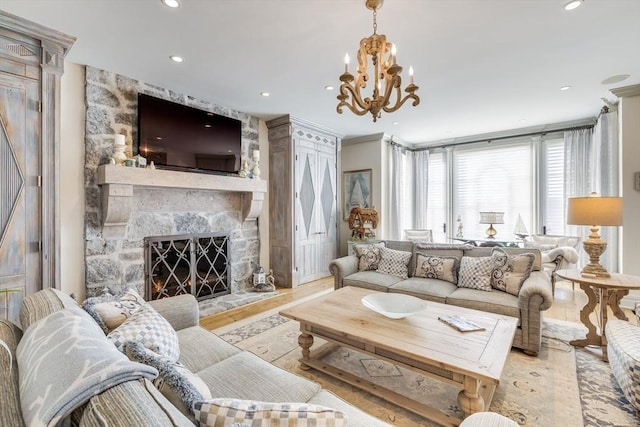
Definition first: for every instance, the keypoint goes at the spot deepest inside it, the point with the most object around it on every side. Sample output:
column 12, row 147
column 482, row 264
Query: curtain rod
column 489, row 140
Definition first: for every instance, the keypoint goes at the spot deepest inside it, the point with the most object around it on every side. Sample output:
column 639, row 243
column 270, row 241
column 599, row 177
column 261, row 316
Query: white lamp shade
column 594, row 210
column 491, row 217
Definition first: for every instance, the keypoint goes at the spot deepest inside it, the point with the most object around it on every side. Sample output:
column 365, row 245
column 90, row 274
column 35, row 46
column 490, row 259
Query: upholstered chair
column 623, row 350
column 558, row 252
column 419, row 235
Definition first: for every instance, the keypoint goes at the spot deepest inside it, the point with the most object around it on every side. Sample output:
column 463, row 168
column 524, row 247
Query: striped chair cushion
column 624, row 357
column 10, row 411
column 41, row 304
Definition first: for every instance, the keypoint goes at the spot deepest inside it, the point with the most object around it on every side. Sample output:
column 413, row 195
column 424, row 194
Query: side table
column 609, row 291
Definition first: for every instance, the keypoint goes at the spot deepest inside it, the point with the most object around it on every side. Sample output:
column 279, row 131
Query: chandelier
column 387, row 82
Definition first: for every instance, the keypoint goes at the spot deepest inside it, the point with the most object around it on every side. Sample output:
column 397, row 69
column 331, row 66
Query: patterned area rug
column 534, row 391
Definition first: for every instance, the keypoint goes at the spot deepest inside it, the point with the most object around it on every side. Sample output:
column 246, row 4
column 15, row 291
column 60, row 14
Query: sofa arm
column 181, row 311
column 341, row 268
column 537, row 285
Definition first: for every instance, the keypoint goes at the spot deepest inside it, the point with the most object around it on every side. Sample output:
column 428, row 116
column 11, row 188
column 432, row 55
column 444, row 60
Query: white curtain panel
column 396, row 201
column 420, row 169
column 591, row 164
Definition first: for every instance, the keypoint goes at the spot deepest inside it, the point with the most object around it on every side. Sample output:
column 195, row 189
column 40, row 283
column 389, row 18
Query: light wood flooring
column 566, row 306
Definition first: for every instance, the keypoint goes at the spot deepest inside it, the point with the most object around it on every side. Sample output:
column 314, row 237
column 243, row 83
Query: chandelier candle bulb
column 410, row 74
column 393, row 53
column 346, row 62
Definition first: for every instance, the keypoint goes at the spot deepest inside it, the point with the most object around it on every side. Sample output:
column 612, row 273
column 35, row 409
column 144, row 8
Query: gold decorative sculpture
column 363, row 223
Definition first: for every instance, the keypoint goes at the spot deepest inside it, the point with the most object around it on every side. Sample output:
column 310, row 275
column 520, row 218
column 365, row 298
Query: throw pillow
column 510, row 271
column 175, row 381
column 149, row 328
column 436, row 267
column 369, row 255
column 395, row 263
column 110, row 311
column 475, row 273
column 222, row 412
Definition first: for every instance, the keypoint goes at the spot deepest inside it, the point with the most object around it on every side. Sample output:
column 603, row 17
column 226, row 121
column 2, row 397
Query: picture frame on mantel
column 356, row 190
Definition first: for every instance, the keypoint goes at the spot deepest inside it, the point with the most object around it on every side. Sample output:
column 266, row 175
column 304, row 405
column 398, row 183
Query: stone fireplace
column 124, row 205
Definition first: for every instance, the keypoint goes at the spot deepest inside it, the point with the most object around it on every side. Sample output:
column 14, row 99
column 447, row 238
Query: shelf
column 117, row 184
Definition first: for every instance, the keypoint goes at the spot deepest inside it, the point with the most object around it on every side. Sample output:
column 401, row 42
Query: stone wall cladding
column 111, row 101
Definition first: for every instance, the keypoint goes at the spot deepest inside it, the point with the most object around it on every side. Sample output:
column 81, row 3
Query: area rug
column 226, row 302
column 561, row 387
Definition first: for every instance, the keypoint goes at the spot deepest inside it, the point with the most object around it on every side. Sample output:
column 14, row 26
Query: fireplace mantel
column 117, row 184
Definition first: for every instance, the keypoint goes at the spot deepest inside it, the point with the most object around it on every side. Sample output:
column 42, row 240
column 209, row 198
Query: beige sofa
column 534, row 296
column 227, row 371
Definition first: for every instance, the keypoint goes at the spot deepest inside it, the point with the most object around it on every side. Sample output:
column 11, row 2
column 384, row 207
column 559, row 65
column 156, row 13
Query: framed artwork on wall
column 356, row 190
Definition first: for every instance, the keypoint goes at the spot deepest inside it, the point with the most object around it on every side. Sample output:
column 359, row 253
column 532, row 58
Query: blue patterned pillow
column 475, row 273
column 149, row 328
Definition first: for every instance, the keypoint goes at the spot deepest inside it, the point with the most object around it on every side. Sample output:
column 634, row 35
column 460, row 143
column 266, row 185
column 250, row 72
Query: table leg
column 592, row 337
column 305, row 341
column 604, row 303
column 614, row 303
column 469, row 399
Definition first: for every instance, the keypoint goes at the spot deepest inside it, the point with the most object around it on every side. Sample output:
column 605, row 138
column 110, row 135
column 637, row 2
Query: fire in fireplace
column 196, row 264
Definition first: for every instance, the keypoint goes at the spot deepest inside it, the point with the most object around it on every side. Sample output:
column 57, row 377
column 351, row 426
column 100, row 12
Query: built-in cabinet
column 31, row 64
column 303, row 200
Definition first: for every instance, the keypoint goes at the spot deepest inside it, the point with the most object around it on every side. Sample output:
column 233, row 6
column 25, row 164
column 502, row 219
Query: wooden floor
column 566, row 306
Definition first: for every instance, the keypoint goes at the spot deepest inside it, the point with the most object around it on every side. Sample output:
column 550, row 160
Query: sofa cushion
column 436, row 267
column 368, row 255
column 69, row 353
column 493, row 302
column 394, row 262
column 246, row 376
column 41, row 304
column 510, row 271
column 134, row 403
column 200, row 348
column 110, row 311
column 10, row 411
column 486, row 251
column 475, row 273
column 429, row 289
column 225, row 411
column 149, row 328
column 177, row 383
column 371, row 280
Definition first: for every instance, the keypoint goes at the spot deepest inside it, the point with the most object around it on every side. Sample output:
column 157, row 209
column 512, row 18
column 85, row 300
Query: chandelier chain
column 375, row 23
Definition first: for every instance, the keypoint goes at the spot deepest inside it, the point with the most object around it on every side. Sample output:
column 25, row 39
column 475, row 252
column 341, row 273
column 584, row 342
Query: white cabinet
column 303, row 200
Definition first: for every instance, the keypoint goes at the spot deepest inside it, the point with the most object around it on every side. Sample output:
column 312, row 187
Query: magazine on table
column 461, row 323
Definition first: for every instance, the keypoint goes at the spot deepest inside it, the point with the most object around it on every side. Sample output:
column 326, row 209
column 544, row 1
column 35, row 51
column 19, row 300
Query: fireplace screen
column 187, row 264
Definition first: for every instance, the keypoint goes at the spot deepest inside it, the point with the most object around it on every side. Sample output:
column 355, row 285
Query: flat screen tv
column 178, row 137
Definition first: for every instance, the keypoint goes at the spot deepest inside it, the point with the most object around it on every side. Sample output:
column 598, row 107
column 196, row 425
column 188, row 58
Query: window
column 494, row 178
column 552, row 188
column 437, row 196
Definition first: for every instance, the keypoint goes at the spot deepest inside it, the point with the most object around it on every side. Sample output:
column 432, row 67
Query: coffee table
column 471, row 360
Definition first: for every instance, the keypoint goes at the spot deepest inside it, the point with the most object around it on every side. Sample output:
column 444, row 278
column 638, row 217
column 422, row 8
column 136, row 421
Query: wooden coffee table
column 471, row 360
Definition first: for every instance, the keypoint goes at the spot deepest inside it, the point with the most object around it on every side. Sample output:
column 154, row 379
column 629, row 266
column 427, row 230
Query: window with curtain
column 437, row 196
column 494, row 177
column 553, row 198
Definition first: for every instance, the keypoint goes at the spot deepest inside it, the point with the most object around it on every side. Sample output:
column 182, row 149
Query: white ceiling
column 482, row 65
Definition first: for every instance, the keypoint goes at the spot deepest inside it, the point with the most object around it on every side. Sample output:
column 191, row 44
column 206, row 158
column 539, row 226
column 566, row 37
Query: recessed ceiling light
column 394, row 123
column 522, row 120
column 615, row 79
column 159, row 138
column 176, row 58
column 572, row 4
column 565, row 88
column 265, row 93
column 207, row 125
column 171, row 3
column 329, row 87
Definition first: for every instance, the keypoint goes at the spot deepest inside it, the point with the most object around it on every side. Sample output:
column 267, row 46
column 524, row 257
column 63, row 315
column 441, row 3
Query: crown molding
column 625, row 91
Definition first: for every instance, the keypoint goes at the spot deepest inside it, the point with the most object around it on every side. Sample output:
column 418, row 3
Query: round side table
column 609, row 291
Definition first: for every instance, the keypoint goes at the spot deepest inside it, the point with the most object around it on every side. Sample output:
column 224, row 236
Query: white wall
column 72, row 205
column 363, row 153
column 629, row 120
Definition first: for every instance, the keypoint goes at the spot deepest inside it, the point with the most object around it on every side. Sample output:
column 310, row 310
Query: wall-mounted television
column 178, row 137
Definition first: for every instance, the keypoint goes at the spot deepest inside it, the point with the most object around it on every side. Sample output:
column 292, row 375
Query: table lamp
column 594, row 211
column 491, row 218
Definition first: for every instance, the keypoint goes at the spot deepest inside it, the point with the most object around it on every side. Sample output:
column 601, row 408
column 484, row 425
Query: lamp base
column 491, row 232
column 594, row 247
